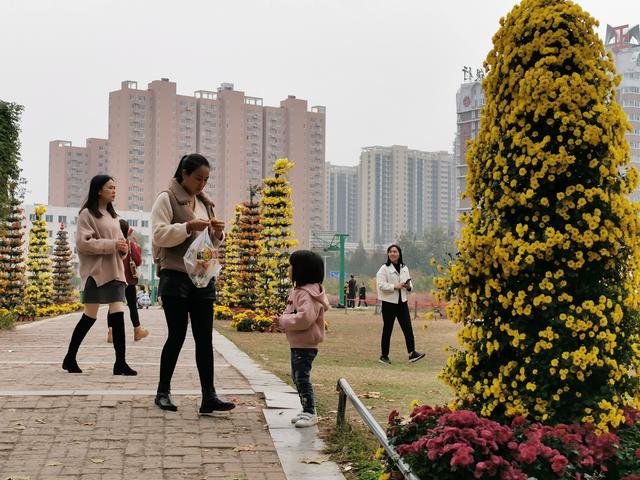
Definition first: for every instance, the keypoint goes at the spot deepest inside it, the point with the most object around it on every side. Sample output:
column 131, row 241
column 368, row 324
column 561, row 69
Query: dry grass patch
column 351, row 350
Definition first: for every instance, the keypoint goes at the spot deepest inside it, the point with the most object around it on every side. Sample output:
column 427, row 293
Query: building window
column 62, row 219
column 144, row 223
column 132, row 223
column 48, row 218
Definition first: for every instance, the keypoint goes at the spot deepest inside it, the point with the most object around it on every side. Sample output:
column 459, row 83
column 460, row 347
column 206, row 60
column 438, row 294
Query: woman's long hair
column 400, row 261
column 190, row 163
column 92, row 203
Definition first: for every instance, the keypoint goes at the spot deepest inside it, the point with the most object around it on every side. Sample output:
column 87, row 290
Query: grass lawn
column 351, row 350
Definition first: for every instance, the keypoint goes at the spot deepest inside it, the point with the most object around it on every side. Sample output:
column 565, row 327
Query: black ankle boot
column 123, row 369
column 211, row 403
column 165, row 402
column 70, row 365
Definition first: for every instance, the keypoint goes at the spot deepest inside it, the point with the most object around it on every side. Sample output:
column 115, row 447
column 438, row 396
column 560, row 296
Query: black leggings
column 391, row 311
column 132, row 303
column 177, row 311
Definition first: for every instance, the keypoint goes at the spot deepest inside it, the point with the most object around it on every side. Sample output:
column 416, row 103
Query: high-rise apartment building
column 71, row 168
column 403, row 191
column 624, row 43
column 342, row 201
column 469, row 102
column 150, row 129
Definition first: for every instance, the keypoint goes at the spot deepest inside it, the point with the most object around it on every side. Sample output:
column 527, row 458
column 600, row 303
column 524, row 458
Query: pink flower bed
column 442, row 444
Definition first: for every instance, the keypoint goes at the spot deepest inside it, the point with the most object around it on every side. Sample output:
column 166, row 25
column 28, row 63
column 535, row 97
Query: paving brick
column 110, row 432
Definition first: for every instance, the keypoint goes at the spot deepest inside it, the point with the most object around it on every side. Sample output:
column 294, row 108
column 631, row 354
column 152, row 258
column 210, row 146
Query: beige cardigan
column 96, row 243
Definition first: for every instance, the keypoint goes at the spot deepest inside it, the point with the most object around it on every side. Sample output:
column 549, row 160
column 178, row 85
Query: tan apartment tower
column 149, row 130
column 71, row 168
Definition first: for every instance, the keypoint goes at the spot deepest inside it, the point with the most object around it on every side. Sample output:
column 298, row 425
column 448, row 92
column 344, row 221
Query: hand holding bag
column 201, row 260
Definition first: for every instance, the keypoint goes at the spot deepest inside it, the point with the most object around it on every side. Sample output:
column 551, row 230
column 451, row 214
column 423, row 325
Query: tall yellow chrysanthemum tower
column 276, row 240
column 546, row 283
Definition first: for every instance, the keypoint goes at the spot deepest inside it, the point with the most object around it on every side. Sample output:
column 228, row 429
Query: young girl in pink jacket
column 303, row 323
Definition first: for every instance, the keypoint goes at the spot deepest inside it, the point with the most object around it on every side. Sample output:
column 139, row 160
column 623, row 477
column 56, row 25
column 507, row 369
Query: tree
column 63, row 291
column 12, row 267
column 9, row 151
column 357, row 259
column 425, row 252
column 276, row 211
column 546, row 284
column 39, row 291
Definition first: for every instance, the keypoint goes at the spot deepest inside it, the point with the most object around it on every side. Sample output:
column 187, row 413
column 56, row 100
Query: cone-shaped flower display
column 546, row 283
column 39, row 291
column 12, row 266
column 276, row 212
column 63, row 291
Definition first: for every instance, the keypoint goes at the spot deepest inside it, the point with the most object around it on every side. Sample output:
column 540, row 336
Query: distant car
column 143, row 300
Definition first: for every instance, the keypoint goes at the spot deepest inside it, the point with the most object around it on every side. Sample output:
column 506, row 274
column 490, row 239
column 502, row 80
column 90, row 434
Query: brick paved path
column 55, row 425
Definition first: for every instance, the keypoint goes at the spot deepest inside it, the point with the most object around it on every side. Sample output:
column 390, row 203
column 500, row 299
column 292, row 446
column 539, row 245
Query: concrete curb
column 294, row 446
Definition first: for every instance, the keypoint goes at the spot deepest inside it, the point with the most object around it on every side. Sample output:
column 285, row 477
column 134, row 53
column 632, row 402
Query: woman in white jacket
column 393, row 282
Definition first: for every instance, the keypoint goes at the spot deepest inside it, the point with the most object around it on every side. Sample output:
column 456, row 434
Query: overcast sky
column 387, row 71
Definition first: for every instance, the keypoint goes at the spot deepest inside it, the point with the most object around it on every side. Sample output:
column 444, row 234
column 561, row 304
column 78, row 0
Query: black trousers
column 132, row 303
column 177, row 311
column 301, row 363
column 391, row 311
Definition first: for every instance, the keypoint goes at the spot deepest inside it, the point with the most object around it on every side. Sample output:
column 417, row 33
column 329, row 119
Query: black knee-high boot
column 119, row 345
column 82, row 328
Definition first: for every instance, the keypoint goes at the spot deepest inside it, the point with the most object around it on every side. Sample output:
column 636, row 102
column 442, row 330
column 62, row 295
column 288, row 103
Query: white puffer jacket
column 386, row 278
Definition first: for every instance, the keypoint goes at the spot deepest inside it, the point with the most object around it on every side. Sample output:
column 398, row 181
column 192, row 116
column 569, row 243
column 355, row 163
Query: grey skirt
column 110, row 292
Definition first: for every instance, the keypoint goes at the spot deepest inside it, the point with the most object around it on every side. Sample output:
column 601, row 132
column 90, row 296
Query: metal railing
column 345, row 392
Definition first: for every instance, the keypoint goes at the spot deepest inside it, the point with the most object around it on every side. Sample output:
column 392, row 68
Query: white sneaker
column 297, row 417
column 306, row 420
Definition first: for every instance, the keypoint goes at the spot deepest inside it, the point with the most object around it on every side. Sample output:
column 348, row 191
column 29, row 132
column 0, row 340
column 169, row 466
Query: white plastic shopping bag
column 201, row 260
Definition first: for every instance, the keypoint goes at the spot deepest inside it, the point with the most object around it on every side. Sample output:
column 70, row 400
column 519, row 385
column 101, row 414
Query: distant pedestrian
column 303, row 323
column 178, row 216
column 101, row 248
column 393, row 282
column 131, row 262
column 345, row 290
column 362, row 295
column 352, row 287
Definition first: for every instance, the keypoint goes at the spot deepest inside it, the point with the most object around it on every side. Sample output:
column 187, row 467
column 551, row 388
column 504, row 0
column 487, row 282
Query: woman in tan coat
column 101, row 247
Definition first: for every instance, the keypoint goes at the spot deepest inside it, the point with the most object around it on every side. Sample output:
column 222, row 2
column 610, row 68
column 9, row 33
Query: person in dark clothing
column 134, row 255
column 352, row 286
column 362, row 295
column 345, row 291
column 178, row 216
column 393, row 282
